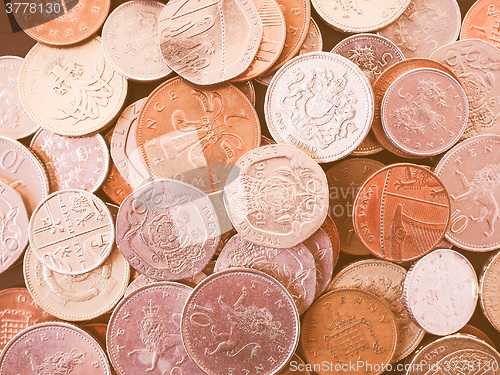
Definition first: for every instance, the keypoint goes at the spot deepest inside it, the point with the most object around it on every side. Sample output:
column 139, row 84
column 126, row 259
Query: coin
column 198, row 42
column 71, row 91
column 401, row 212
column 18, row 311
column 425, row 26
column 241, row 320
column 425, row 112
column 62, row 23
column 440, row 292
column 294, row 268
column 321, row 248
column 130, row 41
column 276, row 196
column 54, row 346
column 344, row 181
column 71, row 232
column 334, row 319
column 321, row 103
column 23, row 171
column 359, row 17
column 332, row 232
column 481, row 22
column 273, row 39
column 488, row 289
column 476, row 64
column 471, row 330
column 72, row 163
column 124, row 146
column 469, row 172
column 144, row 332
column 167, row 230
column 195, row 134
column 14, row 122
column 385, row 280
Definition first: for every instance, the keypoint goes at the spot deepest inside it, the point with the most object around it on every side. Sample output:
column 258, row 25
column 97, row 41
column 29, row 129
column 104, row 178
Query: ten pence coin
column 276, row 196
column 489, row 289
column 71, row 232
column 196, row 134
column 14, row 121
column 167, row 230
column 240, row 319
column 481, row 22
column 71, row 91
column 470, row 172
column 401, row 212
column 198, row 39
column 321, row 103
column 53, row 345
column 335, row 319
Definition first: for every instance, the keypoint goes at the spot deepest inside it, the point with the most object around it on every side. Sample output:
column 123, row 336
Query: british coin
column 130, row 41
column 474, row 331
column 246, row 320
column 198, row 42
column 335, row 318
column 489, row 288
column 481, row 22
column 470, row 171
column 167, row 230
column 77, row 297
column 446, row 355
column 71, row 162
column 296, row 366
column 23, row 171
column 62, row 23
column 425, row 112
column 321, row 248
column 276, row 196
column 425, row 26
column 71, row 232
column 71, row 91
column 115, row 186
column 476, row 63
column 385, row 280
column 13, row 224
column 441, row 291
column 401, row 212
column 344, row 181
column 124, row 147
column 294, row 268
column 359, row 17
column 48, row 347
column 144, row 332
column 18, row 311
column 321, row 103
column 195, row 134
column 273, row 39
column 14, row 121
column 248, row 89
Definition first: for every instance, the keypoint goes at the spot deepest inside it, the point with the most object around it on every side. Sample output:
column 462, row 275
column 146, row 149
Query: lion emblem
column 59, row 363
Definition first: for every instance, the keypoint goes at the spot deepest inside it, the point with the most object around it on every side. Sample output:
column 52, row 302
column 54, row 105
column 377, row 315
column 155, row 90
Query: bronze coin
column 332, row 232
column 481, row 22
column 401, row 212
column 196, row 134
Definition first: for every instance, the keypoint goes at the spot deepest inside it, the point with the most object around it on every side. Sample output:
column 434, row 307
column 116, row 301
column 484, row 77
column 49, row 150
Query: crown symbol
column 342, row 322
column 150, row 310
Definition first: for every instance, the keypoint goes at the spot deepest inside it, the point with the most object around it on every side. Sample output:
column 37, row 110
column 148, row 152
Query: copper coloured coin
column 198, row 39
column 332, row 232
column 196, row 134
column 470, row 171
column 401, row 212
column 144, row 333
column 239, row 319
column 425, row 112
column 49, row 347
column 276, row 196
column 481, row 22
column 248, row 89
column 72, row 163
column 167, row 230
column 62, row 23
column 71, row 232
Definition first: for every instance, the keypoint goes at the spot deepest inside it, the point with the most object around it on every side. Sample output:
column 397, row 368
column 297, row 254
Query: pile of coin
column 321, row 222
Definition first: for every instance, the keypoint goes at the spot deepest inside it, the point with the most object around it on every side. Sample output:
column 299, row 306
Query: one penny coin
column 489, row 287
column 196, row 134
column 276, row 196
column 167, row 230
column 401, row 212
column 71, row 232
column 239, row 319
column 481, row 22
